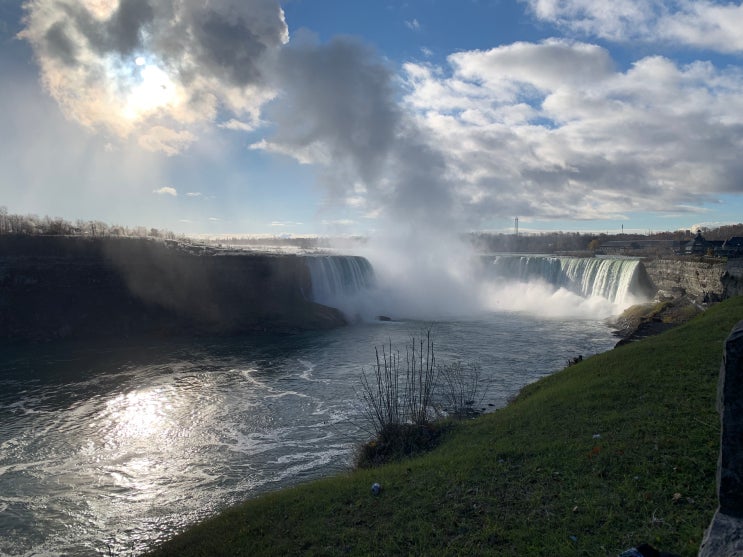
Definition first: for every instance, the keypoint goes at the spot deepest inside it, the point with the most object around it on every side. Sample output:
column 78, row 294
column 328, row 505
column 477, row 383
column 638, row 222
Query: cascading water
column 338, row 280
column 544, row 285
column 616, row 280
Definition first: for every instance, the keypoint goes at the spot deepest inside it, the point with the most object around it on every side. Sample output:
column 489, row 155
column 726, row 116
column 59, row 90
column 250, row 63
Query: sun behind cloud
column 152, row 89
column 155, row 71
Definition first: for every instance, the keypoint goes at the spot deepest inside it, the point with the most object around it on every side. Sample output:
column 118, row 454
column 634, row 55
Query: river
column 107, row 449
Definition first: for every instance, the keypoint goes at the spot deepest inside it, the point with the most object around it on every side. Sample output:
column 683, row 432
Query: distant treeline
column 33, row 225
column 559, row 242
column 302, row 242
column 548, row 242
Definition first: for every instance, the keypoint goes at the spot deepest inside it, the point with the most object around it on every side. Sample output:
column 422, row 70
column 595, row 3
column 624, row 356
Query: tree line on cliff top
column 570, row 242
column 33, row 225
column 545, row 242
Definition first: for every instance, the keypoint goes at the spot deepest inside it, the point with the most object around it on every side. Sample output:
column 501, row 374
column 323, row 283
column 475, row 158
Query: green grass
column 606, row 454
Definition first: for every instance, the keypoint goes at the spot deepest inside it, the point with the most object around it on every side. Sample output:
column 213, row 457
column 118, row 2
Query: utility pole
column 516, row 226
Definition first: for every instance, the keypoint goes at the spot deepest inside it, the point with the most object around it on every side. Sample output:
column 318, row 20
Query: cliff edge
column 76, row 287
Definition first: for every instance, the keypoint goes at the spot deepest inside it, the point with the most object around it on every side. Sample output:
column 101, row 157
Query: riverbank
column 653, row 318
column 614, row 451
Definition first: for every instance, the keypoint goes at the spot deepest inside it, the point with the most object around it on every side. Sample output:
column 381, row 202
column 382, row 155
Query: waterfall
column 337, row 279
column 611, row 278
column 349, row 284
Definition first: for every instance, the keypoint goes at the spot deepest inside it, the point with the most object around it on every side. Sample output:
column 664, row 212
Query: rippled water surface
column 106, row 449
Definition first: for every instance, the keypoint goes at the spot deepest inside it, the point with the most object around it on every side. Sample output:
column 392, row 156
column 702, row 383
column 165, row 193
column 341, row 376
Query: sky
column 332, row 117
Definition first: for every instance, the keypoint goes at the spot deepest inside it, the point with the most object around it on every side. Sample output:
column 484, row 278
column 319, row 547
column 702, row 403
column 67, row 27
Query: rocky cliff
column 700, row 280
column 732, row 278
column 74, row 287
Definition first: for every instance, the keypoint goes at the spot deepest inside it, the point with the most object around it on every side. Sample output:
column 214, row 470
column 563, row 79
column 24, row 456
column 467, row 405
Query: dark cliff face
column 58, row 287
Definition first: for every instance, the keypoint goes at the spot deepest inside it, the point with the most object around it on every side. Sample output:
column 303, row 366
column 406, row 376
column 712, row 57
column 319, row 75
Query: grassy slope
column 530, row 479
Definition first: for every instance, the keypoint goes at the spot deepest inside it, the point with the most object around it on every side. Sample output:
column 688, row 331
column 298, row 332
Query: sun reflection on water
column 139, row 414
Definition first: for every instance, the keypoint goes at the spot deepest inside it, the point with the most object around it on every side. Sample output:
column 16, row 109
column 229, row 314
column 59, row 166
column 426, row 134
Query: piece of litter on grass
column 376, row 488
column 597, row 436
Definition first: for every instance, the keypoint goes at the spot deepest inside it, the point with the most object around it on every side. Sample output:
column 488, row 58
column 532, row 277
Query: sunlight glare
column 101, row 9
column 139, row 413
column 154, row 89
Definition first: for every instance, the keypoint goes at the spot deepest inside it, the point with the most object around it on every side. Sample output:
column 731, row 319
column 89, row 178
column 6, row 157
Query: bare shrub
column 420, row 381
column 460, row 389
column 400, row 404
column 380, row 392
column 392, row 396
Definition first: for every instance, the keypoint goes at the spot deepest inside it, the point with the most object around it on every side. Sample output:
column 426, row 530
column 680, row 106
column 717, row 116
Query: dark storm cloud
column 124, row 29
column 229, row 48
column 120, row 33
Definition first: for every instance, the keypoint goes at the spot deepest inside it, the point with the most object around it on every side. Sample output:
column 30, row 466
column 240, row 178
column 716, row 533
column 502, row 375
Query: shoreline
column 653, row 318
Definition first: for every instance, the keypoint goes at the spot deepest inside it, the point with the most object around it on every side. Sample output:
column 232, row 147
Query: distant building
column 633, row 247
column 696, row 246
column 700, row 246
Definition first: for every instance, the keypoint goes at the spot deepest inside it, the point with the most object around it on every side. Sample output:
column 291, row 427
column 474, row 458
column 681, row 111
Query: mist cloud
column 339, row 109
column 155, row 70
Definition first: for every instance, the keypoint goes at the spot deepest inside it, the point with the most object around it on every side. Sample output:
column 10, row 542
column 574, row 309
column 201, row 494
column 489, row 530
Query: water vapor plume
column 340, row 110
column 538, row 297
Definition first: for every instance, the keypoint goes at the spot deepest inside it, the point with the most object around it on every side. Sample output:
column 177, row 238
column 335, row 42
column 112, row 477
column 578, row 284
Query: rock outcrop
column 724, row 537
column 732, row 278
column 699, row 280
column 74, row 287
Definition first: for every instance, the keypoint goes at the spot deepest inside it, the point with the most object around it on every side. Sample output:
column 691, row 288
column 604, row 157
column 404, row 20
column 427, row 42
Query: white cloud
column 553, row 130
column 698, row 23
column 169, row 141
column 611, row 19
column 194, row 194
column 413, row 24
column 706, row 25
column 166, row 190
column 548, row 65
column 283, row 224
column 128, row 68
column 239, row 125
column 339, row 222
